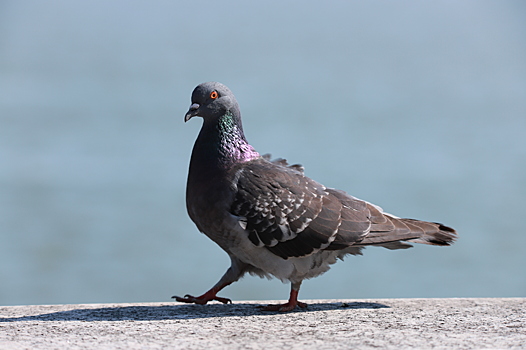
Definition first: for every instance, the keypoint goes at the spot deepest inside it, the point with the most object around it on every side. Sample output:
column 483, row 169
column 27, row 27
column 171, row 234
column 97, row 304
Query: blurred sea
column 419, row 107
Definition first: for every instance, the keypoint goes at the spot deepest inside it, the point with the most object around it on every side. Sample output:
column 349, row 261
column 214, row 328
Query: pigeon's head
column 212, row 100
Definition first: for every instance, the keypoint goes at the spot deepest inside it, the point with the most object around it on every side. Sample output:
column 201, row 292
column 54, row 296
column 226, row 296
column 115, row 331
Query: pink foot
column 288, row 306
column 203, row 299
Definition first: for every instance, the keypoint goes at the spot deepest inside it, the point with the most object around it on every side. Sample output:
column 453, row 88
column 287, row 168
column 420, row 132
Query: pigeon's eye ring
column 213, row 95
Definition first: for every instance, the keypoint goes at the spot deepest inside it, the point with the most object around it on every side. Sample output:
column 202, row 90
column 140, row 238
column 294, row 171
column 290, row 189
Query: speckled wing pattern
column 294, row 216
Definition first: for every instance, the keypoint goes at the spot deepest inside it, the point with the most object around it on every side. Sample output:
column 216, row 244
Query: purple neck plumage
column 225, row 141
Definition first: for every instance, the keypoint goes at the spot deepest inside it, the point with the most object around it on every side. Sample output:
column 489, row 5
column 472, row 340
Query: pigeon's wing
column 293, row 215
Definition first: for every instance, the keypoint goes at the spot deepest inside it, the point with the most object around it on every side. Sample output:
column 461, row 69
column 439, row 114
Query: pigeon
column 271, row 219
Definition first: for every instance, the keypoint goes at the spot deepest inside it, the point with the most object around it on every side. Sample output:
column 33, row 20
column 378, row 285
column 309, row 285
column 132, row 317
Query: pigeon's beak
column 192, row 112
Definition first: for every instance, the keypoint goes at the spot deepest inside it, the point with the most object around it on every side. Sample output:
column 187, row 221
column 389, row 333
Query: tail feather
column 394, row 233
column 434, row 234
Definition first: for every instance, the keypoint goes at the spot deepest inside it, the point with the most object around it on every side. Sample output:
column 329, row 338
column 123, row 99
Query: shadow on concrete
column 178, row 312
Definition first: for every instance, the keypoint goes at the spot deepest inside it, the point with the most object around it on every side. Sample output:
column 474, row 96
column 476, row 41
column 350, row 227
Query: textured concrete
column 325, row 324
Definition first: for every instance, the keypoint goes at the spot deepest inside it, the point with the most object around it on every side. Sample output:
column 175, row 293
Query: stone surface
column 497, row 323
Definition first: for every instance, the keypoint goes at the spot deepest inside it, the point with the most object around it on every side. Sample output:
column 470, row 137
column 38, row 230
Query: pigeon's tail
column 433, row 233
column 410, row 231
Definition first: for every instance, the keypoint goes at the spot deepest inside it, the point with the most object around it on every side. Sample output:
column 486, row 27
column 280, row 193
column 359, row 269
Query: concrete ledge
column 497, row 323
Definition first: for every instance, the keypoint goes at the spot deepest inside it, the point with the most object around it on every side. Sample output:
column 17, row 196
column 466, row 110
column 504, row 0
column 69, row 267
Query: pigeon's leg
column 236, row 270
column 291, row 304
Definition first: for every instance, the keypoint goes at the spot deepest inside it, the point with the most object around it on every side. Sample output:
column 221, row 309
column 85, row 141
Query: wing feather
column 292, row 215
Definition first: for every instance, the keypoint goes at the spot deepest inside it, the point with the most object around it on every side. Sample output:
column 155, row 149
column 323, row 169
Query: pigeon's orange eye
column 213, row 95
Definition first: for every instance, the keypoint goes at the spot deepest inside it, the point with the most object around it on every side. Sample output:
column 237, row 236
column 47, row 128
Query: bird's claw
column 223, row 300
column 200, row 300
column 282, row 307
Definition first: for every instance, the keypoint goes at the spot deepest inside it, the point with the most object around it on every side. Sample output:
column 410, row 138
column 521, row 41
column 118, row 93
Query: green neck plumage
column 226, row 140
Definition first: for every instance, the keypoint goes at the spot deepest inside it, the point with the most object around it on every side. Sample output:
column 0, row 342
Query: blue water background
column 419, row 107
